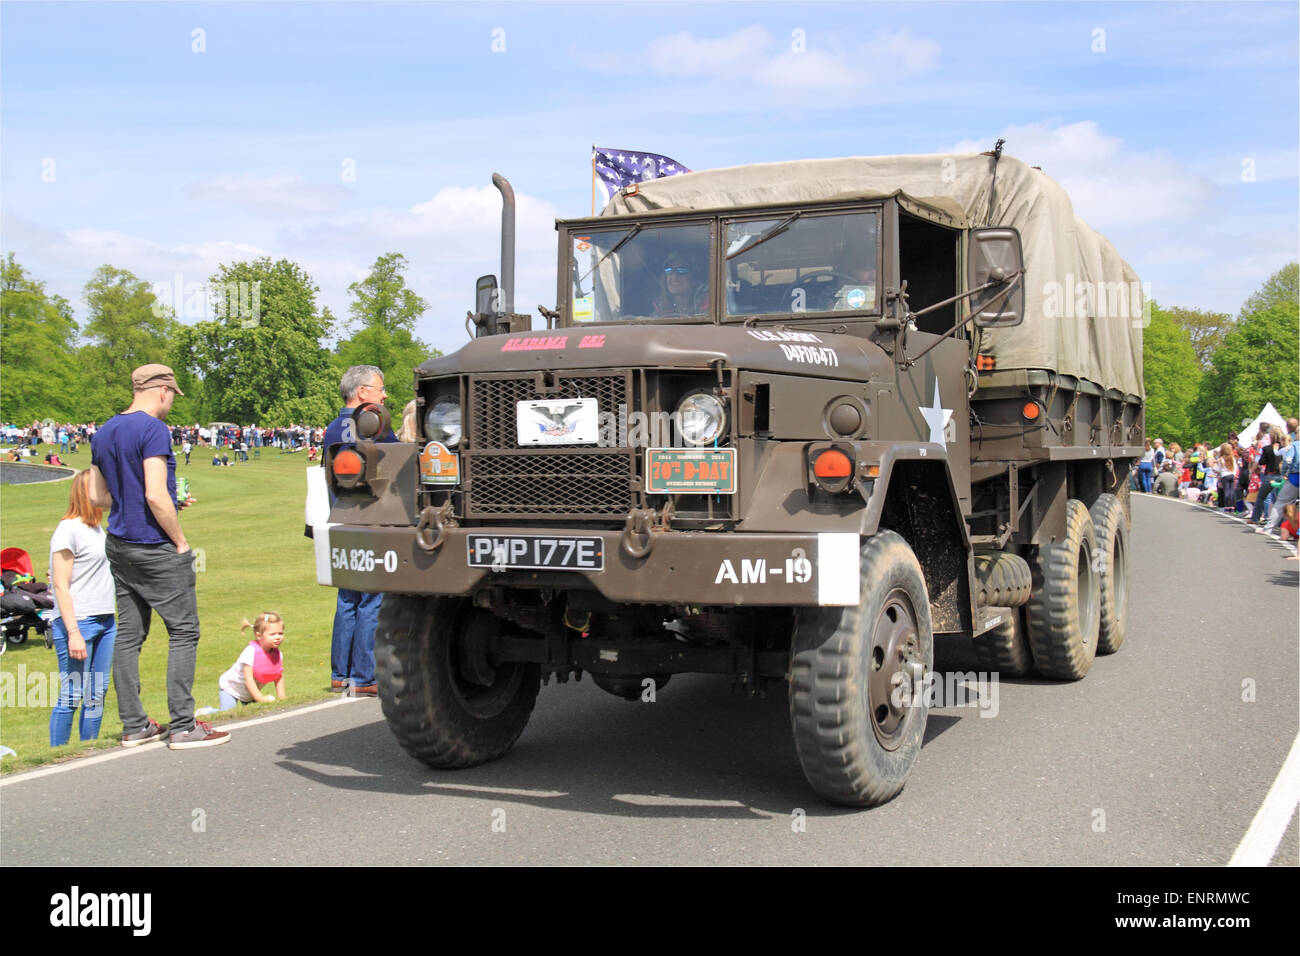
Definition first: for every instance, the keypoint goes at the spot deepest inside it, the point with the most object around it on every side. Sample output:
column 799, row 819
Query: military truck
column 786, row 424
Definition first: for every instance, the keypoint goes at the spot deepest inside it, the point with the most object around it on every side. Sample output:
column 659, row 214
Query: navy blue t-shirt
column 119, row 450
column 334, row 430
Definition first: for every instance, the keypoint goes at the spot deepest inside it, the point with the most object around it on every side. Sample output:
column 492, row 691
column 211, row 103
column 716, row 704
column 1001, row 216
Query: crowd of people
column 1256, row 477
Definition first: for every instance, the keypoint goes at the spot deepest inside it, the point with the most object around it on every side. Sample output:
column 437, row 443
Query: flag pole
column 593, row 179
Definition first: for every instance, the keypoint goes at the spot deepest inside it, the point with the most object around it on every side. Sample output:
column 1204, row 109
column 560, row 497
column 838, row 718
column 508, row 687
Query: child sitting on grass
column 259, row 665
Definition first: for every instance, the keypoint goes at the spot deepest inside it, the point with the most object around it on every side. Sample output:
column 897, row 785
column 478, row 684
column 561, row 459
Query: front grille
column 550, row 484
column 503, row 479
column 494, row 399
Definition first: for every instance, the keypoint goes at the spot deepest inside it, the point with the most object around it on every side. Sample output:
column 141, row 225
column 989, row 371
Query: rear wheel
column 858, row 688
column 1005, row 649
column 445, row 701
column 1064, row 610
column 1111, row 527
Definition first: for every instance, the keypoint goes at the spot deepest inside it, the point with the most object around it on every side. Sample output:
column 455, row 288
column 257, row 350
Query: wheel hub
column 897, row 671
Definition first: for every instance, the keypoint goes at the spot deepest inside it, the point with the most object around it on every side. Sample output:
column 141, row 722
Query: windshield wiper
column 617, row 246
column 772, row 233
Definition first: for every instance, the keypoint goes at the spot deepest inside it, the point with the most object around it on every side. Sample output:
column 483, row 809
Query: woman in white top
column 85, row 627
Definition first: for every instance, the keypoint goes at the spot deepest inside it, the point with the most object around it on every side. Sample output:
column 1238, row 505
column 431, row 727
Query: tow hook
column 638, row 527
column 431, row 530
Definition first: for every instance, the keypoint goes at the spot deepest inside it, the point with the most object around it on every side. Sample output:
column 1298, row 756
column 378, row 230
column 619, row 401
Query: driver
column 682, row 289
column 859, row 292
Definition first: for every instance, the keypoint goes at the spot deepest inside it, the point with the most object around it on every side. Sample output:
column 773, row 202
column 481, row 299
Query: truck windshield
column 783, row 265
column 638, row 272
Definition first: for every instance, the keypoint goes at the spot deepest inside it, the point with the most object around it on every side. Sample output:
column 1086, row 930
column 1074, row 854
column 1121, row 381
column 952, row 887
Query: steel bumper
column 817, row 569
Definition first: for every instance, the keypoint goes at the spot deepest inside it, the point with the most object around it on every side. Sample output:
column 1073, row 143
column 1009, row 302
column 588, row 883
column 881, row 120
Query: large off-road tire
column 858, row 702
column 1004, row 579
column 1111, row 526
column 1005, row 649
column 437, row 714
column 1064, row 611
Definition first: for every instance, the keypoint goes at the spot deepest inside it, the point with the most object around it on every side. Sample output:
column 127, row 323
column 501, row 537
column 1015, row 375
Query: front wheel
column 445, row 701
column 858, row 682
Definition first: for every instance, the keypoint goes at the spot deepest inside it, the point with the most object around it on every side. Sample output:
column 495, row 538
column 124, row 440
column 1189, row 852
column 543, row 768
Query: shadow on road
column 699, row 752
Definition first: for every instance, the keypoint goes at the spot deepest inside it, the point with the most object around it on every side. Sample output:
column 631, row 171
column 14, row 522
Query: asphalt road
column 1154, row 758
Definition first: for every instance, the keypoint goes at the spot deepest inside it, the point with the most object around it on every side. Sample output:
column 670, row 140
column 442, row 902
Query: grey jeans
column 153, row 577
column 1286, row 495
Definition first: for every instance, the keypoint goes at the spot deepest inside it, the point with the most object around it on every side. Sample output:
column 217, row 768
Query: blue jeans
column 352, row 650
column 1144, row 471
column 85, row 682
column 1264, row 498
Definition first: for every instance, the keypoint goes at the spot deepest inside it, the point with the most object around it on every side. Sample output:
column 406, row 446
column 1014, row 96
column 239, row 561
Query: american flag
column 616, row 168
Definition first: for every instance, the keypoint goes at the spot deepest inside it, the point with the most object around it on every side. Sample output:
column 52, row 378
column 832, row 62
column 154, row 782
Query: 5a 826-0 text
column 362, row 559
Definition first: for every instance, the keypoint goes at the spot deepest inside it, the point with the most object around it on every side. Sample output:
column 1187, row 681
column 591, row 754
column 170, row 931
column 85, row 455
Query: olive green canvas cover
column 1084, row 304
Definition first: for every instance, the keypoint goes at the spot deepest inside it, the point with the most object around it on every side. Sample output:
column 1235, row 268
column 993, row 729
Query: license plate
column 557, row 421
column 535, row 552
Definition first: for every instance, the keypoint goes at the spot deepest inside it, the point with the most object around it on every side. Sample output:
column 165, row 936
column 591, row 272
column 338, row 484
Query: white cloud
column 1110, row 185
column 85, row 250
column 684, row 54
column 448, row 239
column 752, row 61
column 282, row 195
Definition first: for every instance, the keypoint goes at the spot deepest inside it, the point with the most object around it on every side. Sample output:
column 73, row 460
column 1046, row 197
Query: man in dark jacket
column 352, row 649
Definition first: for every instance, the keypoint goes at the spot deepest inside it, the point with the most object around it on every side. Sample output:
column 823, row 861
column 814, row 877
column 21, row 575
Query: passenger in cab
column 683, row 289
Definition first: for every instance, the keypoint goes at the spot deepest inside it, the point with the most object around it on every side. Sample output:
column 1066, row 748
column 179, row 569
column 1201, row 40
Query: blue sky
column 121, row 143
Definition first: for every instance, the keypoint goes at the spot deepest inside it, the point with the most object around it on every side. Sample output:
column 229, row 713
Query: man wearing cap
column 150, row 559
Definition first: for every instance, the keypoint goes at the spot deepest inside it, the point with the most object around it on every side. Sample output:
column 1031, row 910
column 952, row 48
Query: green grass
column 248, row 523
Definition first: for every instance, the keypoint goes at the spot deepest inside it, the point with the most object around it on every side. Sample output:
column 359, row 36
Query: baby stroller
column 26, row 602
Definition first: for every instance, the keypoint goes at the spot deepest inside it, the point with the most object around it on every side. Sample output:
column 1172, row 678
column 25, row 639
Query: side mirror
column 994, row 255
column 486, row 301
column 370, row 420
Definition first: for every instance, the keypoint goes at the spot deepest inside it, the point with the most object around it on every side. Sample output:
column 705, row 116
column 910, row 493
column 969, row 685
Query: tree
column 1171, row 374
column 128, row 327
column 260, row 355
column 383, row 317
column 1206, row 330
column 1280, row 288
column 37, row 341
column 1258, row 362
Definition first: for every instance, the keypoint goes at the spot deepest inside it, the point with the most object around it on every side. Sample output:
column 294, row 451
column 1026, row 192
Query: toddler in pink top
column 259, row 665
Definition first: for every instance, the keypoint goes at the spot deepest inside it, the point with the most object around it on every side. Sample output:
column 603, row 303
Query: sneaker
column 202, row 735
column 151, row 732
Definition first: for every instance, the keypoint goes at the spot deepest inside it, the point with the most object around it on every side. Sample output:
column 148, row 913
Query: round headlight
column 701, row 418
column 442, row 422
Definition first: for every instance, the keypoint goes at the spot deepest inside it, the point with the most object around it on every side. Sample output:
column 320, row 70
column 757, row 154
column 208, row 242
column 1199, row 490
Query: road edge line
column 1270, row 824
column 78, row 762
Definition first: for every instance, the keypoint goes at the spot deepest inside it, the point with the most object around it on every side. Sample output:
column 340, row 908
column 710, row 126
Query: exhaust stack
column 507, row 243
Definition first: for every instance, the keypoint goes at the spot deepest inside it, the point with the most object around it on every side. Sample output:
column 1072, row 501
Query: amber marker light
column 1030, row 411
